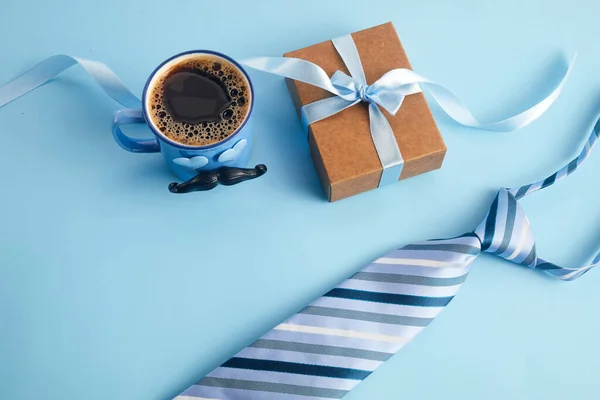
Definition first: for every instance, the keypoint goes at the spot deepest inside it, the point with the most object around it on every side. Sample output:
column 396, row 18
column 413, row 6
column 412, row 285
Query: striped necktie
column 330, row 346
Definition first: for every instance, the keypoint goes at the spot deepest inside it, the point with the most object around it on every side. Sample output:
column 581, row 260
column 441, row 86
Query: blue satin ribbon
column 53, row 66
column 387, row 92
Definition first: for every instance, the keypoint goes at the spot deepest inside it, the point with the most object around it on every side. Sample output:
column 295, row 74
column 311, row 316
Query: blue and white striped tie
column 341, row 338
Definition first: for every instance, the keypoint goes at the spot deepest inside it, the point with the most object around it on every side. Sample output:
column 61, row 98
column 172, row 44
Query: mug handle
column 127, row 117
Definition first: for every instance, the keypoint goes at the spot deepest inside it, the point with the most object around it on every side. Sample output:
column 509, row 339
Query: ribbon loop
column 348, row 87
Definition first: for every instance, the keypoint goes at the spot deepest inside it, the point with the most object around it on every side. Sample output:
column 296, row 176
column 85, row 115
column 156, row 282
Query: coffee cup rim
column 163, row 137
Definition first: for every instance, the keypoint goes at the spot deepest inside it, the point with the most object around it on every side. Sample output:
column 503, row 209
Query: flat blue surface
column 113, row 288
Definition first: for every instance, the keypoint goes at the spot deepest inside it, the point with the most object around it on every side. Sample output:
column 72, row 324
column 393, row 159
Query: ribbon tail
column 386, row 146
column 456, row 110
column 55, row 65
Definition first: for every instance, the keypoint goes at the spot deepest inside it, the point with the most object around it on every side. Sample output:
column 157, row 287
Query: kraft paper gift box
column 341, row 145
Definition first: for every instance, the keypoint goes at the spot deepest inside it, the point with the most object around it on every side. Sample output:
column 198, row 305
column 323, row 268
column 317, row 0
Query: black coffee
column 199, row 101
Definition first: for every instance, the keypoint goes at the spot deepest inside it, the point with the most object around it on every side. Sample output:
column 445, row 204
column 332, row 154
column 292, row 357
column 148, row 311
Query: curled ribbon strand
column 387, row 92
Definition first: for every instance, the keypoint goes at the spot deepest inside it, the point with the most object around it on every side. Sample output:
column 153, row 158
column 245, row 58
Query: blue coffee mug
column 184, row 160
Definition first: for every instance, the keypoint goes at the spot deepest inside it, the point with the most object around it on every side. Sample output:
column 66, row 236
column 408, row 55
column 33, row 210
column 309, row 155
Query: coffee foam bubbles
column 204, row 133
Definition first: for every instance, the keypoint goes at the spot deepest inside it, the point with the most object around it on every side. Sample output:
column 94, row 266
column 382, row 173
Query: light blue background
column 113, row 288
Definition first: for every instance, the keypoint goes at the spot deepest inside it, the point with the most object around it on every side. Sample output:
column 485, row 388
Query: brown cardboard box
column 341, row 145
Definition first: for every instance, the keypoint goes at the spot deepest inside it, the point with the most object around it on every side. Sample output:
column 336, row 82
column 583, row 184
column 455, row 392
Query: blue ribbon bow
column 388, row 92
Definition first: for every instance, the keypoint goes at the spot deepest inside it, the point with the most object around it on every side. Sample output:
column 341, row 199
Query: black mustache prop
column 227, row 176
